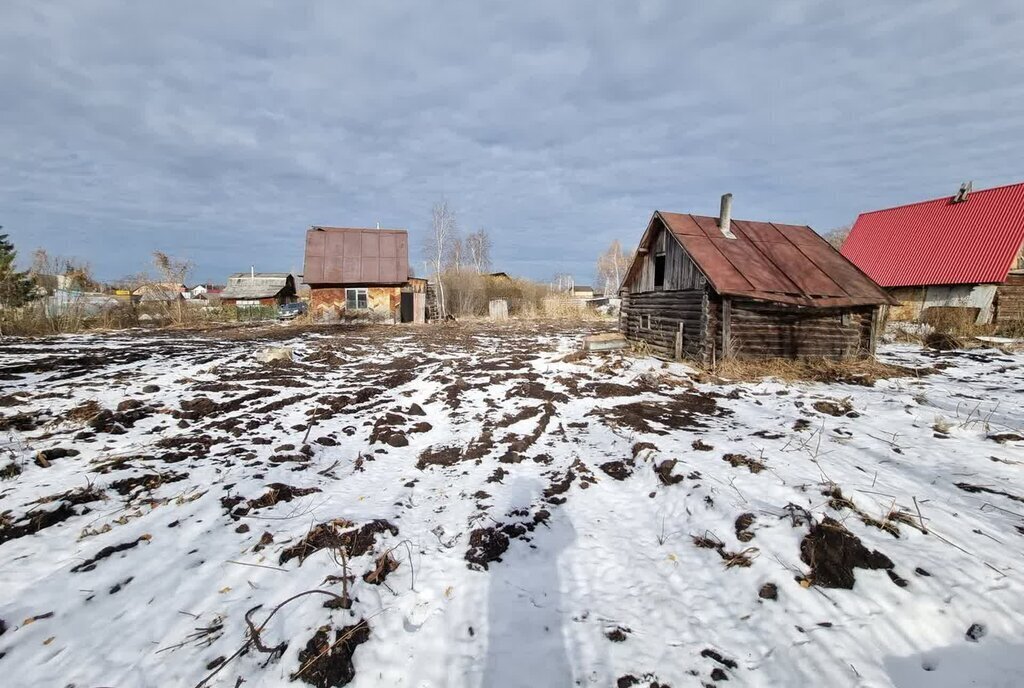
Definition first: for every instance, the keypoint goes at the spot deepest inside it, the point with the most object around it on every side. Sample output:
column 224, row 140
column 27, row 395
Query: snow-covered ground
column 543, row 535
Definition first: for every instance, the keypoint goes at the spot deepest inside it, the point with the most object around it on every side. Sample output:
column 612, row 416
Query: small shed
column 362, row 272
column 249, row 289
column 707, row 288
column 959, row 256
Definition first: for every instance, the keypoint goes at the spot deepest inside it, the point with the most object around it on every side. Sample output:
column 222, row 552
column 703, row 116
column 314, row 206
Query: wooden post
column 419, row 308
column 679, row 343
column 498, row 309
column 876, row 313
column 726, row 334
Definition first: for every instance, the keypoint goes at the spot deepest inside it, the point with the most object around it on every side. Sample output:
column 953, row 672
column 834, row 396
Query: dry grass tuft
column 85, row 411
column 854, row 371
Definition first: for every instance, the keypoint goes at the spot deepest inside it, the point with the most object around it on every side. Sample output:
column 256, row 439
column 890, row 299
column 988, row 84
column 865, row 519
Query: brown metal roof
column 772, row 262
column 351, row 255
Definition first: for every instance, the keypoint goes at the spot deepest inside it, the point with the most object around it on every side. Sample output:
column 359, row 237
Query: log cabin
column 706, row 288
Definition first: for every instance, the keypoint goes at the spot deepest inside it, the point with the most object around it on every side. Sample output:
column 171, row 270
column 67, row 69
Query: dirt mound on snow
column 486, row 545
column 833, row 553
column 326, row 661
column 332, row 535
column 685, row 412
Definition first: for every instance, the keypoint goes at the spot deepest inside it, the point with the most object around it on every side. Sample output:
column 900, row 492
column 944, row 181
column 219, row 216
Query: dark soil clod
column 326, row 661
column 333, row 534
column 716, row 656
column 967, row 487
column 279, row 492
column 35, row 521
column 768, row 591
column 975, row 632
column 664, row 471
column 616, row 469
column 743, row 524
column 90, row 564
column 617, row 634
column 833, row 552
column 737, row 460
column 148, row 482
column 486, row 545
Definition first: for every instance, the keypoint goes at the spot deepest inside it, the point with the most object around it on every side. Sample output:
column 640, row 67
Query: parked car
column 290, row 311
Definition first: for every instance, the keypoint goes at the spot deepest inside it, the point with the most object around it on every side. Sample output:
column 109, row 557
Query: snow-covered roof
column 262, row 285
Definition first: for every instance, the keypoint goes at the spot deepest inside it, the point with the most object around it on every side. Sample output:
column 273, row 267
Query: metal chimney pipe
column 725, row 216
column 252, row 272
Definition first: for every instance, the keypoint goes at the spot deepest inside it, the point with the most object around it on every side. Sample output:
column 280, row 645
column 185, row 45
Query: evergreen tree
column 16, row 288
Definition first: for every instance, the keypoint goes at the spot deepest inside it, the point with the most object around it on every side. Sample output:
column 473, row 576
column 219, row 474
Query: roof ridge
column 740, row 219
column 939, row 198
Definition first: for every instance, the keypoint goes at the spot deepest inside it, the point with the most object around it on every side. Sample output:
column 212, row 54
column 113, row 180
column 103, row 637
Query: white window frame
column 355, row 295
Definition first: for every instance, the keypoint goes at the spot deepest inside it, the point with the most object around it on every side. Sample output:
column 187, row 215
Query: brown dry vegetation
column 862, row 371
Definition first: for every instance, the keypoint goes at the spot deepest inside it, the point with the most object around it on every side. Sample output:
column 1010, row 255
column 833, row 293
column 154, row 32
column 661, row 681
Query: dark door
column 406, row 306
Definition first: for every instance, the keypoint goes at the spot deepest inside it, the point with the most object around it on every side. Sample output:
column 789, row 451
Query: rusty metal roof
column 772, row 262
column 941, row 242
column 351, row 255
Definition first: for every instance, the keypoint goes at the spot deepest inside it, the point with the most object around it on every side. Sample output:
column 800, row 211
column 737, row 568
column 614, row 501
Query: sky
column 218, row 132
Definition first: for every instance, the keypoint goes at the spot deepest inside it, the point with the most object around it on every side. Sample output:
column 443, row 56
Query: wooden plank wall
column 655, row 318
column 680, row 271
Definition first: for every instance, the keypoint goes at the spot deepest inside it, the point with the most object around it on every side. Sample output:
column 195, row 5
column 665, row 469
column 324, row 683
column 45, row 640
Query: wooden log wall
column 656, row 317
column 1009, row 301
column 763, row 330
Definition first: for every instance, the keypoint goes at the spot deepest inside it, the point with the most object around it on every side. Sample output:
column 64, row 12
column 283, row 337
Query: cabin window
column 355, row 299
column 659, row 271
column 847, row 318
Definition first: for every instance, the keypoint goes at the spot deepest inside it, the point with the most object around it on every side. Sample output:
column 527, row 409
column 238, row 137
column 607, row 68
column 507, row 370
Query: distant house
column 353, row 271
column 247, row 289
column 159, row 292
column 582, row 292
column 709, row 288
column 961, row 254
column 205, row 291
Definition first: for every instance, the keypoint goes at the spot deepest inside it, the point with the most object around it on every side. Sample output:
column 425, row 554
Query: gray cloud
column 220, row 131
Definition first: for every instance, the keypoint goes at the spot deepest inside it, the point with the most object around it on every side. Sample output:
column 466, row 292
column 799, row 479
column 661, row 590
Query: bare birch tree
column 455, row 255
column 837, row 236
column 612, row 266
column 563, row 282
column 443, row 230
column 478, row 248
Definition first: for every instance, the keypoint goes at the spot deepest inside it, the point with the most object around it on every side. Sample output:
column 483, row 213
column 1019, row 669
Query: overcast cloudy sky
column 219, row 131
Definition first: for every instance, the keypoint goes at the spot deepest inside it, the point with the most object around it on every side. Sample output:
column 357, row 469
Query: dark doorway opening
column 407, row 297
column 659, row 271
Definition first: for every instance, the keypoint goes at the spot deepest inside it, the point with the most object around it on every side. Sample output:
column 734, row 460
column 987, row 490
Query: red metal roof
column 940, row 242
column 772, row 262
column 349, row 255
